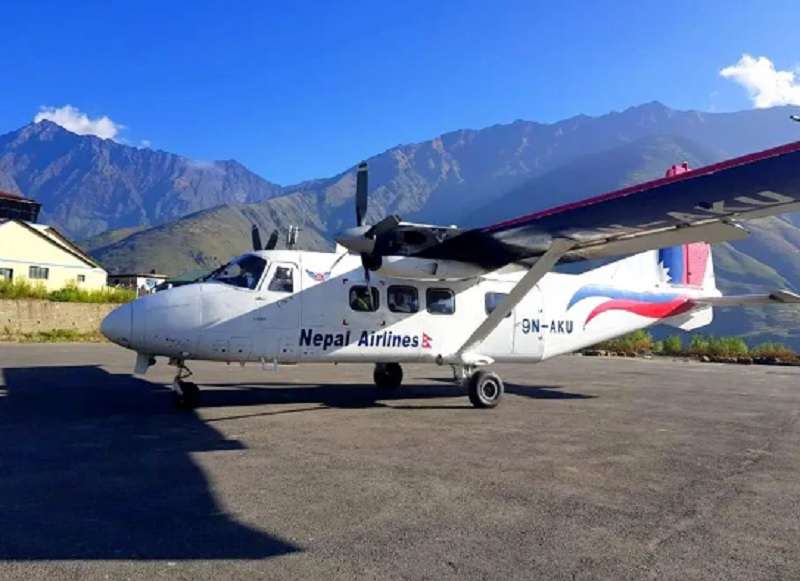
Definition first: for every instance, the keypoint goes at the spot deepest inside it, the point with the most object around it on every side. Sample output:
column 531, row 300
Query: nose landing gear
column 187, row 394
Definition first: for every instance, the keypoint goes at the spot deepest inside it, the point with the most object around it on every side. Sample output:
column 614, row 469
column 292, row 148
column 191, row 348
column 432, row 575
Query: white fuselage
column 317, row 322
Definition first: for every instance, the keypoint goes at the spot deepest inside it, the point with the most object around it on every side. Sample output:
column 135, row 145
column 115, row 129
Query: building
column 140, row 282
column 15, row 207
column 40, row 253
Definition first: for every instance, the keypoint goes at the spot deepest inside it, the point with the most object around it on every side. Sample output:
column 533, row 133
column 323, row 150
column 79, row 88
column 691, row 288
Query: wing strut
column 544, row 264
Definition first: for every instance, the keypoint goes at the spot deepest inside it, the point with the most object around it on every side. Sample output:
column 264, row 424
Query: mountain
column 88, row 185
column 470, row 177
column 199, row 242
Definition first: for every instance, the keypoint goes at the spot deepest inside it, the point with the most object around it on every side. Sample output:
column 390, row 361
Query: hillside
column 88, row 185
column 469, row 177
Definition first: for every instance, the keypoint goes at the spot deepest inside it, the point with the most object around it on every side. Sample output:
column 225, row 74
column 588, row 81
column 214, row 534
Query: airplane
column 396, row 292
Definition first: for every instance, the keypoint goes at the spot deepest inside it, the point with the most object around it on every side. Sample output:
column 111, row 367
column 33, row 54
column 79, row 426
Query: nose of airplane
column 118, row 324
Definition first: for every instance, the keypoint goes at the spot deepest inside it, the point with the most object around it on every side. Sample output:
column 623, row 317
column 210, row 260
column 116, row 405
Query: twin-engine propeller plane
column 397, row 292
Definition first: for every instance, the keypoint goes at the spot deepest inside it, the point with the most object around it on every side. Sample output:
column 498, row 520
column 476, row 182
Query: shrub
column 673, row 345
column 72, row 293
column 718, row 346
column 698, row 345
column 24, row 289
column 777, row 350
column 632, row 343
column 727, row 347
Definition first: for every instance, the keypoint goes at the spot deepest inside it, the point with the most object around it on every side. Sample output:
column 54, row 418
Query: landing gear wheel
column 187, row 394
column 485, row 389
column 388, row 376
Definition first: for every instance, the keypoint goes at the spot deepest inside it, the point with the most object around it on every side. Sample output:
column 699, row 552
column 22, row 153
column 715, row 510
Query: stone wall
column 30, row 316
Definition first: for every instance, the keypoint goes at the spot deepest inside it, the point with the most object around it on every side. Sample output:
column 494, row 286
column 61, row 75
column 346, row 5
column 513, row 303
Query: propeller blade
column 255, row 236
column 273, row 240
column 361, row 193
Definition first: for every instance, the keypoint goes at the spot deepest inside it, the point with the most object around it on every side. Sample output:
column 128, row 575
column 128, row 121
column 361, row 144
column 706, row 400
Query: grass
column 53, row 336
column 641, row 342
column 72, row 293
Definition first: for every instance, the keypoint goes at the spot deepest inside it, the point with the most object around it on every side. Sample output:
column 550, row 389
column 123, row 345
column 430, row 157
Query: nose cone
column 118, row 324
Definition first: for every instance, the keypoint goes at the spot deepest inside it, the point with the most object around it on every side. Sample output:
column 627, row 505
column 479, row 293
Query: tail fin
column 688, row 265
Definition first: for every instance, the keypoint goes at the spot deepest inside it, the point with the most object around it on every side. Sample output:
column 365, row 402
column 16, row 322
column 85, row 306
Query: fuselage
column 296, row 306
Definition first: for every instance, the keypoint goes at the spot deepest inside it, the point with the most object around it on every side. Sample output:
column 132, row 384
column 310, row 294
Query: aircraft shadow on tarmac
column 357, row 395
column 98, row 466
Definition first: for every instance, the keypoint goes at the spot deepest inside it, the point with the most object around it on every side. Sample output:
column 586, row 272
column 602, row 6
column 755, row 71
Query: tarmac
column 590, row 468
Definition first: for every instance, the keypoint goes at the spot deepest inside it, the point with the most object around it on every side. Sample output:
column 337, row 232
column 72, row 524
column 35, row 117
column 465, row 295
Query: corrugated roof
column 16, row 197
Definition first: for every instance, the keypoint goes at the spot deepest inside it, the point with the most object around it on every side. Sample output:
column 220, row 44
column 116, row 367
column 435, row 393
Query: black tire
column 388, row 376
column 485, row 389
column 187, row 396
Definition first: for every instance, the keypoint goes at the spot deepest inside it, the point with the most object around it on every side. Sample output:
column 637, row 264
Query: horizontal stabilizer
column 773, row 298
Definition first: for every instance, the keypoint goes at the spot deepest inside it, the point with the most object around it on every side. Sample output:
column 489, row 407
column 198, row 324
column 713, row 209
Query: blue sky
column 298, row 90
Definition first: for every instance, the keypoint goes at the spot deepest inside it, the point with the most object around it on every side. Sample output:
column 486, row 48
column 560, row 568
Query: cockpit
column 244, row 272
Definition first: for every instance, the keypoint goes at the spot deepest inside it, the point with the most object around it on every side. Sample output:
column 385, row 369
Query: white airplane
column 398, row 292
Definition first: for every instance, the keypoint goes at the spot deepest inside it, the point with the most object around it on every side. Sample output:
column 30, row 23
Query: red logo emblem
column 426, row 341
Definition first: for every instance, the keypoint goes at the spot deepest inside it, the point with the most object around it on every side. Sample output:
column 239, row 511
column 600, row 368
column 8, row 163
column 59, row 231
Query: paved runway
column 589, row 469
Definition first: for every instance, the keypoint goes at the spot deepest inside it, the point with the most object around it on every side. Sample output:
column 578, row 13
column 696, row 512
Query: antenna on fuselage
column 291, row 237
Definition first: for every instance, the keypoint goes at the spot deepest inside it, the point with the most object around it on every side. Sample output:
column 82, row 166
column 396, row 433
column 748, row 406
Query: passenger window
column 402, row 299
column 283, row 280
column 364, row 299
column 441, row 301
column 493, row 300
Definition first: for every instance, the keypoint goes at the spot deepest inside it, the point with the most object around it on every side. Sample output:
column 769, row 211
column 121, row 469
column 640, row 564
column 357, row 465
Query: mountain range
column 138, row 209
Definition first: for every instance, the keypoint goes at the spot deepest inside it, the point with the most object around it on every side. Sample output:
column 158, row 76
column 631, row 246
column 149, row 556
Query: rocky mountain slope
column 88, row 185
column 469, row 177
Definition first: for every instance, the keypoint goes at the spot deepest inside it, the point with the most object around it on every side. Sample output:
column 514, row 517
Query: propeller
column 255, row 236
column 361, row 193
column 273, row 240
column 364, row 239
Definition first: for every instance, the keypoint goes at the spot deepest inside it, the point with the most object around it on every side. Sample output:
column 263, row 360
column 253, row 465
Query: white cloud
column 766, row 86
column 72, row 119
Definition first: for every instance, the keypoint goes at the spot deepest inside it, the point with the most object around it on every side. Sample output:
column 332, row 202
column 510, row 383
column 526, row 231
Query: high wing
column 700, row 205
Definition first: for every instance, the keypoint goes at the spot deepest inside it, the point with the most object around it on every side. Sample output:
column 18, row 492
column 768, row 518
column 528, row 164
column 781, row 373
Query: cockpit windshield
column 245, row 272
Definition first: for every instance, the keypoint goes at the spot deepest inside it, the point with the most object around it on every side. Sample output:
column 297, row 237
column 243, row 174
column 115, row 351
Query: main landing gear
column 187, row 394
column 388, row 376
column 484, row 388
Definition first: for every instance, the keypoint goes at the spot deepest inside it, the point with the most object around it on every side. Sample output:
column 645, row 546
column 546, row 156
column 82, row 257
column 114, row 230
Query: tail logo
column 650, row 305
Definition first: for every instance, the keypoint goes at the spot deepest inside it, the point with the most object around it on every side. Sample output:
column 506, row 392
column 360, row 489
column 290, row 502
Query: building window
column 38, row 272
column 282, row 281
column 6, row 274
column 493, row 300
column 402, row 299
column 81, row 278
column 440, row 301
column 363, row 299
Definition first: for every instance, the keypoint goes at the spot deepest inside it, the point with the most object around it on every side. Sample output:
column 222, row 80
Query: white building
column 41, row 253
